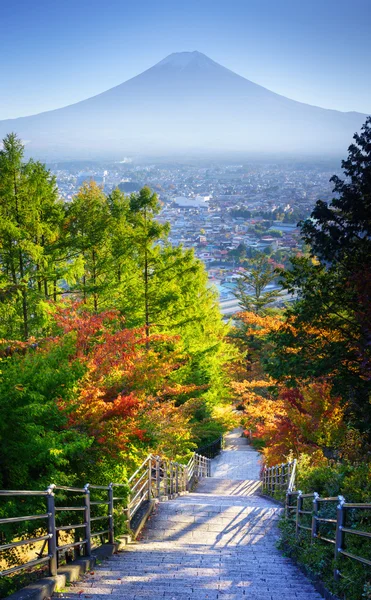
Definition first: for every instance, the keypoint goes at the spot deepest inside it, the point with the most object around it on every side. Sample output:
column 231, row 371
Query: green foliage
column 138, row 364
column 35, row 444
column 341, row 231
column 324, row 340
column 328, row 328
column 250, row 287
column 30, row 225
column 276, row 233
column 331, row 479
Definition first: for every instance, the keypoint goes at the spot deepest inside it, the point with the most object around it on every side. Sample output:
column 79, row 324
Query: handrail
column 279, row 478
column 139, row 468
column 156, row 477
column 213, row 449
column 271, row 483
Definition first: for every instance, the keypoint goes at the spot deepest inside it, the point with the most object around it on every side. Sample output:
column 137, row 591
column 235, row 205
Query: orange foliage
column 307, row 420
column 288, row 421
column 260, row 325
column 120, row 399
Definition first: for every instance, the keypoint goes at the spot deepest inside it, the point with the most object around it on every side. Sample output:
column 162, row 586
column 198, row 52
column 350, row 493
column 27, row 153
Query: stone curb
column 315, row 581
column 144, row 519
column 44, row 588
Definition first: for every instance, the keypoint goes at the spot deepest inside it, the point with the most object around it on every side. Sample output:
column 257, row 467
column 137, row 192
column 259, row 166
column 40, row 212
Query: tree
column 30, row 220
column 238, row 253
column 342, row 230
column 89, row 223
column 308, row 419
column 275, row 233
column 144, row 206
column 37, row 447
column 328, row 329
column 251, row 287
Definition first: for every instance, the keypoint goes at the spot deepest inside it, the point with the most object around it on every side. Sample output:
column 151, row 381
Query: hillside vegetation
column 112, row 344
column 305, row 385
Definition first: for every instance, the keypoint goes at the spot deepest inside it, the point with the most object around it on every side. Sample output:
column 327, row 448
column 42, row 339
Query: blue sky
column 54, row 53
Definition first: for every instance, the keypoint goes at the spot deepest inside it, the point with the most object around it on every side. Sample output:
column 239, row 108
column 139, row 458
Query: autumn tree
column 307, row 419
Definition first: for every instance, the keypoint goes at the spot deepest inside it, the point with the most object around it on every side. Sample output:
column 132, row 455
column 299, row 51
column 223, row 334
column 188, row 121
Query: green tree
column 36, row 445
column 148, row 232
column 90, row 222
column 341, row 230
column 30, row 220
column 328, row 330
column 238, row 254
column 251, row 287
column 275, row 233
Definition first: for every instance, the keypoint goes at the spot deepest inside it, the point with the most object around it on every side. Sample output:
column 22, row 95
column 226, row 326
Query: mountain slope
column 186, row 102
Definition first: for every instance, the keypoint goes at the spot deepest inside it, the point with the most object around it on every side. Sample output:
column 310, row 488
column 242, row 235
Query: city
column 227, row 212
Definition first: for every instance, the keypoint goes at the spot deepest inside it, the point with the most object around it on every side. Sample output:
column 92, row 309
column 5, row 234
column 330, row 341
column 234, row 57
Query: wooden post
column 269, row 480
column 165, row 477
column 158, row 477
column 177, row 478
column 288, row 505
column 150, row 479
column 171, row 478
column 87, row 521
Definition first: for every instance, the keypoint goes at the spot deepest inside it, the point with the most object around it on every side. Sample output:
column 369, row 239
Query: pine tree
column 342, row 229
column 89, row 223
column 30, row 217
column 328, row 329
column 251, row 287
column 148, row 232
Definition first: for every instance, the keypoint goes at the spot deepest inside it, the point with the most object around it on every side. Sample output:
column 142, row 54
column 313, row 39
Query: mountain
column 185, row 103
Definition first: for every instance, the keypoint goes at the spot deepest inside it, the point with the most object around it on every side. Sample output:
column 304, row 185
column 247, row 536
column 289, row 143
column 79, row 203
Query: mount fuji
column 186, row 103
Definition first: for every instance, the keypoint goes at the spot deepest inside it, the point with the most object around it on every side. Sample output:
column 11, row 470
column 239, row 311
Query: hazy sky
column 54, row 53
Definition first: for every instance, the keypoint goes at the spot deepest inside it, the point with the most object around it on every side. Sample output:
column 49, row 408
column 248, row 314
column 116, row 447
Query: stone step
column 216, row 543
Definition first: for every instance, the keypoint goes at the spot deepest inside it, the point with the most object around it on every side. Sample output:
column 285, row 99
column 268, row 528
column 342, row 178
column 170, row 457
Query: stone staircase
column 218, row 542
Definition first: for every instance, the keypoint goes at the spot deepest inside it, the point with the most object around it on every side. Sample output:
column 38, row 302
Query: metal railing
column 323, row 519
column 213, row 449
column 280, row 478
column 83, row 515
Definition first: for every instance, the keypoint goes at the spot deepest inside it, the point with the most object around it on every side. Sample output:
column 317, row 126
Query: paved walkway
column 216, row 543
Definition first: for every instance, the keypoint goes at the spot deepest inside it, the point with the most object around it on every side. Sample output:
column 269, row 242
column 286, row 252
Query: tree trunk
column 21, row 266
column 95, row 298
column 24, row 297
column 146, row 293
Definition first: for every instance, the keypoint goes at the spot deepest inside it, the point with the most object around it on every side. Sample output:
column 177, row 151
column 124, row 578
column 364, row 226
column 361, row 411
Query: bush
column 333, row 479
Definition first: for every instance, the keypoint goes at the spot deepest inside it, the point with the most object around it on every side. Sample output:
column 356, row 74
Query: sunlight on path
column 215, row 543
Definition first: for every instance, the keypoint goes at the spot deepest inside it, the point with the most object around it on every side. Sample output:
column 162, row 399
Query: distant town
column 226, row 212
